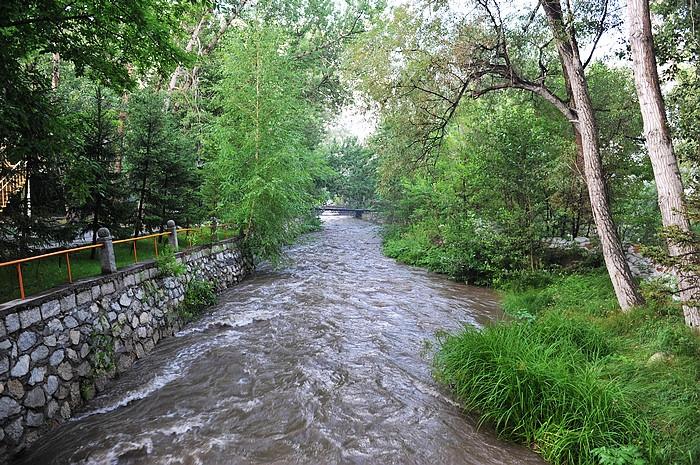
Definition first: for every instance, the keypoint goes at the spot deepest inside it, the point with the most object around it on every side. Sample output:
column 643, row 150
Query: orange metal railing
column 226, row 227
column 134, row 239
column 47, row 255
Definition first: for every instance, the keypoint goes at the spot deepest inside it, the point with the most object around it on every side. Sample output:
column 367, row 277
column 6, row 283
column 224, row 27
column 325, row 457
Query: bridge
column 341, row 209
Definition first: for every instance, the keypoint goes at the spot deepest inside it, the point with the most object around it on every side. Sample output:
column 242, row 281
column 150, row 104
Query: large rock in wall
column 58, row 348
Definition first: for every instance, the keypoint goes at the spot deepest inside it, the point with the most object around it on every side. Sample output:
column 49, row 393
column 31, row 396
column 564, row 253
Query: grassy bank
column 578, row 380
column 46, row 273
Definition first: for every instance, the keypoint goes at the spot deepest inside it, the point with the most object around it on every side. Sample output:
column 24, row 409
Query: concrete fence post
column 107, row 261
column 172, row 238
column 214, row 224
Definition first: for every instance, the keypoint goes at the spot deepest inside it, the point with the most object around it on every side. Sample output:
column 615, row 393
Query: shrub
column 168, row 265
column 539, row 391
column 199, row 295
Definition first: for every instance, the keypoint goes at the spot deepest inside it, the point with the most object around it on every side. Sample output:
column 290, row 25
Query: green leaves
column 354, row 171
column 262, row 166
column 102, row 38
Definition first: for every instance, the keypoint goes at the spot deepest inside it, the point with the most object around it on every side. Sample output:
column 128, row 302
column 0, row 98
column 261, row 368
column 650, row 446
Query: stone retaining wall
column 640, row 266
column 58, row 348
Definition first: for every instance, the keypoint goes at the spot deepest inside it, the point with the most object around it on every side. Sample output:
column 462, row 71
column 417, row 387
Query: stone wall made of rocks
column 59, row 348
column 640, row 266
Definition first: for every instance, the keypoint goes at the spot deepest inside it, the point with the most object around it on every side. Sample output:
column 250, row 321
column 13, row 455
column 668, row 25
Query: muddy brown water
column 320, row 363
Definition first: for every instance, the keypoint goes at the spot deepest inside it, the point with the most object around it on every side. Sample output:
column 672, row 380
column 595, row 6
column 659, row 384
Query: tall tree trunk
column 142, row 200
column 194, row 37
column 214, row 41
column 626, row 289
column 56, row 71
column 661, row 153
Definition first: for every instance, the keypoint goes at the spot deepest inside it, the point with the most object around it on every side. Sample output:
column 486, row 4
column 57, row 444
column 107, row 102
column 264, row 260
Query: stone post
column 107, row 261
column 214, row 224
column 172, row 238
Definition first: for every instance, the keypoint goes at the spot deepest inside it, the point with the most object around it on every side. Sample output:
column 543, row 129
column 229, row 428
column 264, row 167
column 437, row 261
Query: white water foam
column 115, row 453
column 155, row 384
column 229, row 320
column 177, row 369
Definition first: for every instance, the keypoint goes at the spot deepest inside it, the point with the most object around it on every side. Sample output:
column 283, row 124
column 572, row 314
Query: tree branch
column 599, row 35
column 28, row 21
column 330, row 42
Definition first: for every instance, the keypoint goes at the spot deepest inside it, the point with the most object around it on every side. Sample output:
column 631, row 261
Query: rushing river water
column 318, row 363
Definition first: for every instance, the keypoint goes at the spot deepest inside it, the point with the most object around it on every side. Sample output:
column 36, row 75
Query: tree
column 111, row 42
column 97, row 195
column 107, row 40
column 354, row 172
column 160, row 165
column 442, row 64
column 262, row 168
column 564, row 35
column 33, row 130
column 668, row 178
column 212, row 21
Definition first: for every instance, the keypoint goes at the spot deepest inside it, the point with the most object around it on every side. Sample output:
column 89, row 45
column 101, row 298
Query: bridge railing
column 343, row 209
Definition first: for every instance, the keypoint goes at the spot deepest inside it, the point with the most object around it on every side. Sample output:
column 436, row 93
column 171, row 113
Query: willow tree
column 274, row 86
column 261, row 173
column 435, row 62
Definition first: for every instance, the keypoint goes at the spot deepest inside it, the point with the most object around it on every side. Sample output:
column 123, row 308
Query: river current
column 321, row 362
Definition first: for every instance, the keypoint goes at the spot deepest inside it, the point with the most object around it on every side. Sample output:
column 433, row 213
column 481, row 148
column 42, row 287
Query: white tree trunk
column 661, row 153
column 626, row 289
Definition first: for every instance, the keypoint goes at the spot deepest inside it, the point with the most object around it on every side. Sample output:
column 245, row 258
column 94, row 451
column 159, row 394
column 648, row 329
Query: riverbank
column 316, row 361
column 578, row 380
column 59, row 348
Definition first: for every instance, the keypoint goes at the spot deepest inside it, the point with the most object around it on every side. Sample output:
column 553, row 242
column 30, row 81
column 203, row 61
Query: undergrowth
column 199, row 295
column 578, row 380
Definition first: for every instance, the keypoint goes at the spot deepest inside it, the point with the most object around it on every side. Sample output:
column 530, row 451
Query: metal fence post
column 107, row 261
column 172, row 238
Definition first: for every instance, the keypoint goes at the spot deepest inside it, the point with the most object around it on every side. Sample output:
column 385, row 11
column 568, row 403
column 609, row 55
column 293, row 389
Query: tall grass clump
column 540, row 391
column 577, row 379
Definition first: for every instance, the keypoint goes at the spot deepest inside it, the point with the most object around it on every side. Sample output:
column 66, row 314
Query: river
column 321, row 362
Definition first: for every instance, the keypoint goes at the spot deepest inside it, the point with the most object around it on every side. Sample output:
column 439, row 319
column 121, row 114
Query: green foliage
column 539, row 391
column 168, row 265
column 262, row 171
column 100, row 37
column 353, row 181
column 472, row 216
column 678, row 341
column 96, row 189
column 102, row 345
column 627, row 455
column 574, row 378
column 104, row 40
column 199, row 295
column 160, row 163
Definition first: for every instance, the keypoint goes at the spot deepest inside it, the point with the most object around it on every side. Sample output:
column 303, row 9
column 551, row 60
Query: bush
column 573, row 378
column 168, row 265
column 199, row 295
column 539, row 390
